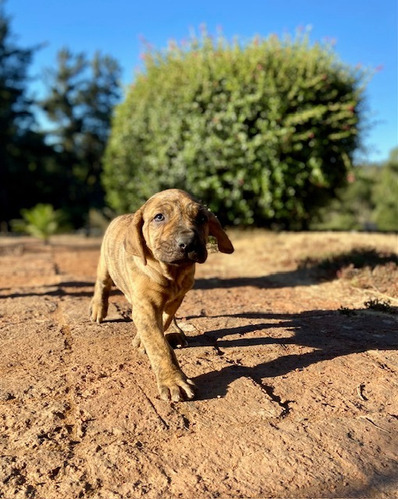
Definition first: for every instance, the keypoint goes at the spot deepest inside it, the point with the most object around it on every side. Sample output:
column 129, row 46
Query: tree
column 385, row 194
column 263, row 133
column 22, row 150
column 80, row 101
column 352, row 208
column 367, row 202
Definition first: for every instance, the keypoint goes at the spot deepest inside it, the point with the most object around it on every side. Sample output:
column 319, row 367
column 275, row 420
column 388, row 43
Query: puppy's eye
column 159, row 217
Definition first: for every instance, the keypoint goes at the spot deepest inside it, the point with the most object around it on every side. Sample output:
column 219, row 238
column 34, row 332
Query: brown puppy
column 150, row 256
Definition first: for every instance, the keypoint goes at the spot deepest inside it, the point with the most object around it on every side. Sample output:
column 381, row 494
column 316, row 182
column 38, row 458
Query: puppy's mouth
column 184, row 253
column 191, row 257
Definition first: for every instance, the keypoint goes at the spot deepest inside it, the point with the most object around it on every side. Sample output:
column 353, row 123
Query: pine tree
column 80, row 100
column 21, row 148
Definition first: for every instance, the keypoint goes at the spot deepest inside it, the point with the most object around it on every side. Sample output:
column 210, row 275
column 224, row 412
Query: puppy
column 150, row 256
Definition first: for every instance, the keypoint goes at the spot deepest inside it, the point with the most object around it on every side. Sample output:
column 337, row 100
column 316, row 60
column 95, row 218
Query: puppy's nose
column 185, row 242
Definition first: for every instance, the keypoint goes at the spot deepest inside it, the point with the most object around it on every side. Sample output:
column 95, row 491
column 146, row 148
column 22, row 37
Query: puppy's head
column 174, row 228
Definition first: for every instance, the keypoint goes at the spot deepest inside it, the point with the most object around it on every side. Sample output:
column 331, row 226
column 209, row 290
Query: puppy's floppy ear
column 215, row 229
column 134, row 242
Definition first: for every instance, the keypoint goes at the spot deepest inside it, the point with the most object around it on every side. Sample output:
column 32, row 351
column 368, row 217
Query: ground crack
column 161, row 420
column 270, row 391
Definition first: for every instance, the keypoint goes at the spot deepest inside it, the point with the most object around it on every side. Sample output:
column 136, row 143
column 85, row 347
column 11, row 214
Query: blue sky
column 365, row 32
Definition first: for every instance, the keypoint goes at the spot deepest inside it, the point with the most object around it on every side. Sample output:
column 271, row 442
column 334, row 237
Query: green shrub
column 41, row 221
column 367, row 202
column 352, row 208
column 385, row 195
column 263, row 132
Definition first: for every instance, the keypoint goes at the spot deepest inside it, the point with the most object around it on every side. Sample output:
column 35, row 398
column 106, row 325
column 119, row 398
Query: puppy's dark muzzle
column 191, row 248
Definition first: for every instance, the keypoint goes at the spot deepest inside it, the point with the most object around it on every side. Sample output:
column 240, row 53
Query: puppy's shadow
column 330, row 334
column 118, row 320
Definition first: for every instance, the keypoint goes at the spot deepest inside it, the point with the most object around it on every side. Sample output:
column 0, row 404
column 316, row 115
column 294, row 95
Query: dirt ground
column 295, row 361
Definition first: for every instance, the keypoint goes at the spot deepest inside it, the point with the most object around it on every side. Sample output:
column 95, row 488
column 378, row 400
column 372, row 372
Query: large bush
column 263, row 132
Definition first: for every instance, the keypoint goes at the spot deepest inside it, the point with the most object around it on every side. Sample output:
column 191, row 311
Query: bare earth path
column 297, row 378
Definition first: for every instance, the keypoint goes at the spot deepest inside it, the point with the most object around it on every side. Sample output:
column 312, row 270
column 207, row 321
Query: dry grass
column 365, row 268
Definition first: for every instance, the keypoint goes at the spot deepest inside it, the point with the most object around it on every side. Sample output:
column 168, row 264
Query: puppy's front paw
column 98, row 311
column 176, row 387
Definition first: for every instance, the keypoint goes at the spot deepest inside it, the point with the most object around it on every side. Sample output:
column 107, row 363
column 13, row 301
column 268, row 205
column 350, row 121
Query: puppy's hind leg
column 100, row 300
column 175, row 335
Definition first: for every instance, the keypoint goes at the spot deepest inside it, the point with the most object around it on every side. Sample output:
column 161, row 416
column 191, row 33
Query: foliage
column 41, row 221
column 62, row 166
column 385, row 195
column 21, row 148
column 81, row 97
column 263, row 132
column 367, row 202
column 351, row 209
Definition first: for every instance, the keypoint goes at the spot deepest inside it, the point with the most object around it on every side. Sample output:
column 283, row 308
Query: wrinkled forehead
column 172, row 205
